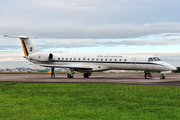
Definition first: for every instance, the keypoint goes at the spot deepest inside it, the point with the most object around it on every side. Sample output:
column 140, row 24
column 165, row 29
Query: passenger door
column 133, row 62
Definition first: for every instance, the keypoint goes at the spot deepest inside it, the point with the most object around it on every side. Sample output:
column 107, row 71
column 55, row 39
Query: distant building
column 37, row 67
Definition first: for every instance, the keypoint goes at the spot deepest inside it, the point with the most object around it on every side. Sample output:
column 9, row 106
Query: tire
column 69, row 75
column 162, row 77
column 86, row 75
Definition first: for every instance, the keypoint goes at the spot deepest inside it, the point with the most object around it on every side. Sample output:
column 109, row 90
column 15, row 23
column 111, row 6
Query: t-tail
column 28, row 46
column 33, row 54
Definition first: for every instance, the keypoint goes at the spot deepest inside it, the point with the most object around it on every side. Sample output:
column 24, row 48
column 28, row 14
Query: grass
column 34, row 101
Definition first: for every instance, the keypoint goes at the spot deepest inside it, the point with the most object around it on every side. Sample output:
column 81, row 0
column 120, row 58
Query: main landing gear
column 86, row 75
column 69, row 75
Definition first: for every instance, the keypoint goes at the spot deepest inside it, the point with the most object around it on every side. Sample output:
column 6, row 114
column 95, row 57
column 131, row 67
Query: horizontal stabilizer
column 21, row 37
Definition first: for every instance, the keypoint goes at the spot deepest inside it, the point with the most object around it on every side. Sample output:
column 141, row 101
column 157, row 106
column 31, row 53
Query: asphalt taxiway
column 137, row 79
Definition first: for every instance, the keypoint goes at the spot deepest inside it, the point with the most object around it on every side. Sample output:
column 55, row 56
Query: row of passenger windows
column 88, row 59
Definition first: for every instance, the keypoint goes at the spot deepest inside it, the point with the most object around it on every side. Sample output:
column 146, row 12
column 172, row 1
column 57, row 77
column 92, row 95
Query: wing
column 66, row 66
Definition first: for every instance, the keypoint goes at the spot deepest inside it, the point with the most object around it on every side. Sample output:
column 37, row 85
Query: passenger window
column 88, row 59
column 62, row 58
column 105, row 59
column 66, row 58
column 93, row 59
column 58, row 58
column 84, row 58
column 119, row 59
column 101, row 59
column 97, row 59
column 110, row 59
column 150, row 59
column 79, row 59
column 70, row 58
column 74, row 58
column 124, row 60
column 114, row 59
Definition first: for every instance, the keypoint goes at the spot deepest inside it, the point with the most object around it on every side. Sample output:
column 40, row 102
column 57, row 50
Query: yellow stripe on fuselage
column 25, row 53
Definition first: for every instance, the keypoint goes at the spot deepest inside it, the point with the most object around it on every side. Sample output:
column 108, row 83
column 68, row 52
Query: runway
column 137, row 79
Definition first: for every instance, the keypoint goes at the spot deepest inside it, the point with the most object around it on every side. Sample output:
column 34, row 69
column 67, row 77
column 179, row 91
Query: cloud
column 11, row 57
column 95, row 19
column 80, row 13
column 151, row 53
column 147, row 24
column 14, row 44
column 170, row 34
column 97, row 32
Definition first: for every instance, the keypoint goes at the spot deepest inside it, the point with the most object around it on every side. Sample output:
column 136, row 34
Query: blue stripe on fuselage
column 106, row 62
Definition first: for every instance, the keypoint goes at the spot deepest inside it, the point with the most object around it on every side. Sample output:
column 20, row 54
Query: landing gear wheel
column 162, row 77
column 86, row 75
column 69, row 75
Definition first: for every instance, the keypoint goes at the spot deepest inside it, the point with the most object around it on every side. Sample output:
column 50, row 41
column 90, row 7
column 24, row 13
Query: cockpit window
column 150, row 59
column 156, row 59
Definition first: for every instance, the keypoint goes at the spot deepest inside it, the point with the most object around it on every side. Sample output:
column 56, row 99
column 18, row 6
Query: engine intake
column 50, row 57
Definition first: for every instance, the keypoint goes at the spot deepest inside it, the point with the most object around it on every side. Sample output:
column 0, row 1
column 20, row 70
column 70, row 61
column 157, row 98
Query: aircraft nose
column 170, row 67
column 173, row 68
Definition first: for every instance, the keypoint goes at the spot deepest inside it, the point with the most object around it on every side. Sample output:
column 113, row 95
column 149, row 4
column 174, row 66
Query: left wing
column 66, row 66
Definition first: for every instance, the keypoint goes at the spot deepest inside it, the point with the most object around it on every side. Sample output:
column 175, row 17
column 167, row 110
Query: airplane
column 88, row 63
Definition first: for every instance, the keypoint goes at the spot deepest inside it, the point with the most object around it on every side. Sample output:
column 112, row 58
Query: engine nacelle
column 41, row 56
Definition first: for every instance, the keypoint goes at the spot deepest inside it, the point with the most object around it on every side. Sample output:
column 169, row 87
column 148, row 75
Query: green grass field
column 34, row 101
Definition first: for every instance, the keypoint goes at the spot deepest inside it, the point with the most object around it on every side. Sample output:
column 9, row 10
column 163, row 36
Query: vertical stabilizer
column 28, row 46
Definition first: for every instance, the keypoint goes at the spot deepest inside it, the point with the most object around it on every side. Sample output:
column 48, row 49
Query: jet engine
column 41, row 56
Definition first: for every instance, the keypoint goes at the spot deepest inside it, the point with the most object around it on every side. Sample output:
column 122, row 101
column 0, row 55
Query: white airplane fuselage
column 102, row 62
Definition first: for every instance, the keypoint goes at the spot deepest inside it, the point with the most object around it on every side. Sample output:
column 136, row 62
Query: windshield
column 156, row 59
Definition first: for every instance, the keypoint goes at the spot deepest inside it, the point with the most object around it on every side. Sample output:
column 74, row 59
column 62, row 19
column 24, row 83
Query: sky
column 96, row 26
